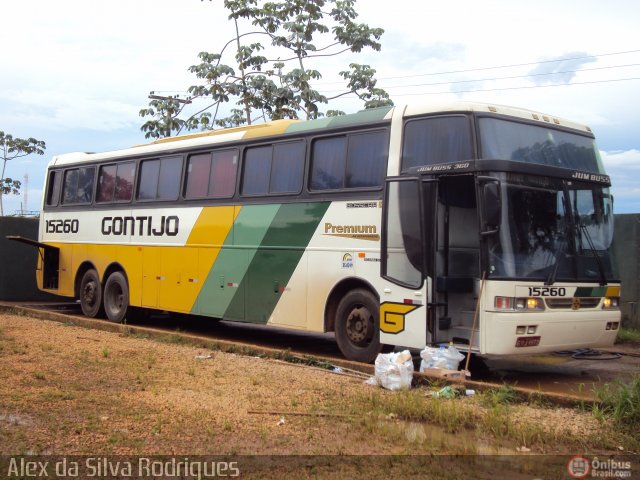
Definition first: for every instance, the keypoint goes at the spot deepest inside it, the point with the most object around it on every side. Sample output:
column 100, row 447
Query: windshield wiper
column 564, row 234
column 551, row 279
column 594, row 252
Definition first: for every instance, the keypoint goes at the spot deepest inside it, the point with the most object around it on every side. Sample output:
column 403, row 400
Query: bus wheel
column 357, row 332
column 116, row 297
column 91, row 294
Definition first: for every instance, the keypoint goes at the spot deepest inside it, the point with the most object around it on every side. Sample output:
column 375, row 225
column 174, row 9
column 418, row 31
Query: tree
column 297, row 32
column 10, row 149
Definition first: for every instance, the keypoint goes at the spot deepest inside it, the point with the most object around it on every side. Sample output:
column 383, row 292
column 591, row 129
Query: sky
column 75, row 73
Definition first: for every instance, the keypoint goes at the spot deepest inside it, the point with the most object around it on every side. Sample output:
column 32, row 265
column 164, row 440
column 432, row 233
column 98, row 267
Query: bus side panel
column 280, row 253
column 223, row 292
column 178, row 272
column 292, row 309
column 150, row 276
column 130, row 257
column 66, row 271
column 222, row 285
column 346, row 244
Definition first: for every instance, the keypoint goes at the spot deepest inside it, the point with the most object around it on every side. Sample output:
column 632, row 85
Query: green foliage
column 621, row 402
column 504, row 395
column 165, row 121
column 11, row 148
column 628, row 335
column 271, row 89
column 9, row 186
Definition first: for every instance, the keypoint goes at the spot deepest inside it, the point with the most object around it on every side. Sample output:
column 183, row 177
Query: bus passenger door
column 404, row 296
column 457, row 262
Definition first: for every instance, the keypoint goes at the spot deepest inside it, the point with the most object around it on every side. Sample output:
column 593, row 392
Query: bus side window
column 124, row 182
column 211, row 175
column 276, row 169
column 350, row 161
column 328, row 158
column 287, row 168
column 224, row 165
column 160, row 179
column 257, row 165
column 53, row 188
column 115, row 182
column 428, row 141
column 78, row 185
column 106, row 183
column 366, row 160
column 198, row 173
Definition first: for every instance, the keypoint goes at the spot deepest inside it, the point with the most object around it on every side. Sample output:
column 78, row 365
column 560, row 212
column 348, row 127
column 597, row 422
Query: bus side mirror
column 492, row 206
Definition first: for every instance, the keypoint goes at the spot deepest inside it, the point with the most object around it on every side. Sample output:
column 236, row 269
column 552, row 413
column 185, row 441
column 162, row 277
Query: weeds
column 505, row 395
column 151, row 360
column 412, row 406
column 628, row 335
column 175, row 339
column 621, row 402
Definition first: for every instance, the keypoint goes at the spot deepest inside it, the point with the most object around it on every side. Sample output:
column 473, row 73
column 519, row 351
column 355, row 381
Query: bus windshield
column 553, row 229
column 507, row 140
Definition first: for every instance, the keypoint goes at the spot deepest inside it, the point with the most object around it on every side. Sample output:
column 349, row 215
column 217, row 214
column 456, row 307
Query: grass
column 505, row 395
column 629, row 335
column 620, row 402
column 494, row 412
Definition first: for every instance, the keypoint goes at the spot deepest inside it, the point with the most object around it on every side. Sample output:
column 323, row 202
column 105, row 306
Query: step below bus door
column 404, row 296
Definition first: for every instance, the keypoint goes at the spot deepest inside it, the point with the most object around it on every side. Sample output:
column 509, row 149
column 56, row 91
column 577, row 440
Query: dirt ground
column 67, row 390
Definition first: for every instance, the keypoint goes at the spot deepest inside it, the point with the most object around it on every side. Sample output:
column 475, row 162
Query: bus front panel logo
column 393, row 316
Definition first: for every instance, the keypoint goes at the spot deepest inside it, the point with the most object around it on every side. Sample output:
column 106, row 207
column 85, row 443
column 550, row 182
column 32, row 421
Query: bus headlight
column 610, row 302
column 518, row 303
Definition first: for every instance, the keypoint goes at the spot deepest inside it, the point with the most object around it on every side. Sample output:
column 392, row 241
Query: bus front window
column 550, row 232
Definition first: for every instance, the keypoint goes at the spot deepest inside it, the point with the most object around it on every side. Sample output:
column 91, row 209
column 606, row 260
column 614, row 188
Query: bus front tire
column 91, row 294
column 357, row 326
column 116, row 297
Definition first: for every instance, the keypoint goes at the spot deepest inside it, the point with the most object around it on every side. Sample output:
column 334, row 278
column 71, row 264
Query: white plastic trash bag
column 445, row 358
column 394, row 371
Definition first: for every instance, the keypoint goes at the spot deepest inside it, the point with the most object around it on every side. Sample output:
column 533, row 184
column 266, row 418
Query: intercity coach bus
column 482, row 225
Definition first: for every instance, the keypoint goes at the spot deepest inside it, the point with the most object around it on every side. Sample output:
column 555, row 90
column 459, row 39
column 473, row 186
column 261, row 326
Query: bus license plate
column 527, row 341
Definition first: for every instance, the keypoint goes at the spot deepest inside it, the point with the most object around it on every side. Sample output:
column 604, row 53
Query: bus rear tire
column 91, row 294
column 357, row 326
column 116, row 297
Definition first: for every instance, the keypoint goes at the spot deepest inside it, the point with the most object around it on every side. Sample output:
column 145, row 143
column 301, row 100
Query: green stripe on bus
column 275, row 261
column 362, row 117
column 224, row 280
column 590, row 292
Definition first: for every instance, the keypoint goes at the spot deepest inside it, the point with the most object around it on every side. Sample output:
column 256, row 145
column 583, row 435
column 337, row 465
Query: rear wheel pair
column 112, row 301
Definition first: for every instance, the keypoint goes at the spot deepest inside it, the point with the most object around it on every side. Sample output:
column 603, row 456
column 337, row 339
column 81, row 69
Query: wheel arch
column 338, row 291
column 82, row 269
column 114, row 267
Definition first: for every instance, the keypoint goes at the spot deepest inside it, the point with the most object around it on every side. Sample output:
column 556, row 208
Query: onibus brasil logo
column 581, row 467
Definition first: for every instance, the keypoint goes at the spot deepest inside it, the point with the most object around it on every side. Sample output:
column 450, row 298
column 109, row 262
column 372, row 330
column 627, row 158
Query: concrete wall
column 18, row 261
column 627, row 251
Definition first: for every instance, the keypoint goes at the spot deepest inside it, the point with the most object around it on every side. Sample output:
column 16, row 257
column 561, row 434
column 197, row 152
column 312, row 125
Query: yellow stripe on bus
column 613, row 292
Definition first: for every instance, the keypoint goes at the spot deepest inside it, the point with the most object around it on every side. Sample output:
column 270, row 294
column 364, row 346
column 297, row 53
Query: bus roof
column 279, row 127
